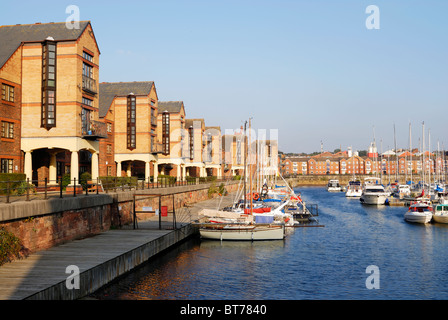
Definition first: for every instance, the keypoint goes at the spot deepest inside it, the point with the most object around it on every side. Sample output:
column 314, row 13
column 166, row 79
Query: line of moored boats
column 426, row 203
column 257, row 216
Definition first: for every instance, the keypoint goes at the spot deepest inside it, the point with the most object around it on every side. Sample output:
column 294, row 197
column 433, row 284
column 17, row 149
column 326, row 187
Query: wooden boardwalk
column 42, row 275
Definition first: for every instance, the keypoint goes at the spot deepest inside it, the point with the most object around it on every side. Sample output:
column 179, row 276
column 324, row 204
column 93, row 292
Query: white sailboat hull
column 244, row 234
column 418, row 217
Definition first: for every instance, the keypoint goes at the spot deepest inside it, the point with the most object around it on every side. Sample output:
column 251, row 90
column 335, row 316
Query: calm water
column 311, row 263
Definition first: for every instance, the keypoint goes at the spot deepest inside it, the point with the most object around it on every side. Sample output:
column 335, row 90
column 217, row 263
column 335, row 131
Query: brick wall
column 45, row 231
column 11, row 111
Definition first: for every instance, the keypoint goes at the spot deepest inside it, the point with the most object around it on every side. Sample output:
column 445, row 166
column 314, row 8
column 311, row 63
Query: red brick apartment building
column 11, row 157
column 57, row 119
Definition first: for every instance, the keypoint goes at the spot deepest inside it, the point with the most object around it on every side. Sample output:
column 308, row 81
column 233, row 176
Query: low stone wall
column 322, row 180
column 42, row 224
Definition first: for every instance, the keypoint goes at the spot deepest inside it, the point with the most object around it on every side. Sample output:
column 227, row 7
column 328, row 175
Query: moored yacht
column 419, row 212
column 354, row 189
column 374, row 193
column 334, row 186
column 440, row 213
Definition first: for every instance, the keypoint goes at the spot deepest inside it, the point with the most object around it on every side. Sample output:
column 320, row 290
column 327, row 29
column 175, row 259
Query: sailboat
column 420, row 210
column 240, row 226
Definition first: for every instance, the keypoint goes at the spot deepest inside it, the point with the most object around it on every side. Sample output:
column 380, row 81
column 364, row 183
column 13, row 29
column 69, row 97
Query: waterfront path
column 100, row 259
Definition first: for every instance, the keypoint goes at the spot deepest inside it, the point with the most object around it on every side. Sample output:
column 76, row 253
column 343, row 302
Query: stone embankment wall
column 42, row 224
column 314, row 180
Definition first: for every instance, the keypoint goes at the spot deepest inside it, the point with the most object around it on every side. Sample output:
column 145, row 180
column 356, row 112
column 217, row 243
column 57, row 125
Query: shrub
column 212, row 189
column 116, row 182
column 222, row 190
column 10, row 246
column 65, row 180
column 14, row 179
column 21, row 189
column 165, row 179
column 85, row 176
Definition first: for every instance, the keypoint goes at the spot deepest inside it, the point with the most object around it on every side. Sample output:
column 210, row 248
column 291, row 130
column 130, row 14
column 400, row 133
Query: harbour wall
column 42, row 224
column 322, row 180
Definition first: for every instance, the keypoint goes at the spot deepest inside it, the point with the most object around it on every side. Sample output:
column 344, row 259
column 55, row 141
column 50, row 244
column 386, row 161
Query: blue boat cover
column 272, row 200
column 264, row 219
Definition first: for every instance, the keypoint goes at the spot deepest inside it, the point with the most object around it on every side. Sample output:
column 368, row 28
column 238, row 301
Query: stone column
column 147, row 170
column 74, row 167
column 28, row 166
column 184, row 173
column 118, row 168
column 52, row 169
column 178, row 174
column 156, row 171
column 94, row 168
column 128, row 170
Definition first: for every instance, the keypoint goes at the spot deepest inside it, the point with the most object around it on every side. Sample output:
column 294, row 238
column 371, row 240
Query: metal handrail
column 29, row 190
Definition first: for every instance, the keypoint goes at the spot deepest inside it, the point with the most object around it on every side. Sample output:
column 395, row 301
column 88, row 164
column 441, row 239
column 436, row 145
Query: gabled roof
column 170, row 106
column 11, row 37
column 190, row 122
column 109, row 90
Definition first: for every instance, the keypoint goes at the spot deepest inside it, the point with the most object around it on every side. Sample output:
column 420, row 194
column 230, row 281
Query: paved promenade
column 100, row 259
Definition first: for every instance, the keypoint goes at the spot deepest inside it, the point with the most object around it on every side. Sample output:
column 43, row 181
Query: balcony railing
column 96, row 130
column 153, row 120
column 157, row 148
column 89, row 84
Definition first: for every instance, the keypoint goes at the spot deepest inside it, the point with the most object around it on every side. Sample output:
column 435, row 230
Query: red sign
column 164, row 211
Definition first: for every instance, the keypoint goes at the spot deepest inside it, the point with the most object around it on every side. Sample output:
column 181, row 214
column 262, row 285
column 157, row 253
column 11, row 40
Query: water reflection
column 311, row 263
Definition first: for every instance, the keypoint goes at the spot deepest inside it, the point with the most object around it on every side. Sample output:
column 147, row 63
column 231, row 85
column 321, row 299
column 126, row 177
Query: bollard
column 7, row 191
column 28, row 189
column 45, row 191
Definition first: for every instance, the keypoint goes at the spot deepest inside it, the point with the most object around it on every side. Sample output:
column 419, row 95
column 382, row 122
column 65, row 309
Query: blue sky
column 310, row 69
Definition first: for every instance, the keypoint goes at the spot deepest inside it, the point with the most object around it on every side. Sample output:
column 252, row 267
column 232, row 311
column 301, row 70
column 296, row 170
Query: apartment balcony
column 153, row 121
column 89, row 85
column 157, row 148
column 95, row 130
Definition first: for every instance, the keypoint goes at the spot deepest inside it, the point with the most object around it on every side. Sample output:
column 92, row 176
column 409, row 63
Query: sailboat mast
column 245, row 160
column 250, row 167
column 429, row 157
column 396, row 156
column 410, row 149
column 423, row 153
